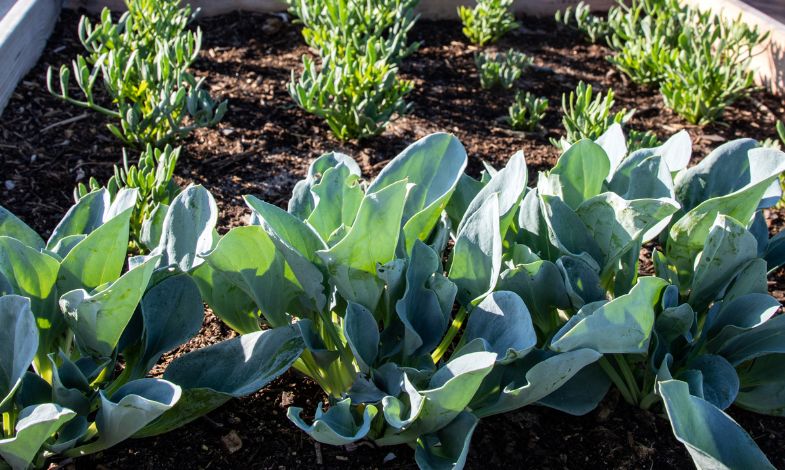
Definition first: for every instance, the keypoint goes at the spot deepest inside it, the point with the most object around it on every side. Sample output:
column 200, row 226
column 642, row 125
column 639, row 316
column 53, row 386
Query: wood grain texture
column 431, row 9
column 25, row 25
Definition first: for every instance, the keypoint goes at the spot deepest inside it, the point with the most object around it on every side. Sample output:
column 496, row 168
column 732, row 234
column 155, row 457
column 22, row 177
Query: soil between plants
column 264, row 145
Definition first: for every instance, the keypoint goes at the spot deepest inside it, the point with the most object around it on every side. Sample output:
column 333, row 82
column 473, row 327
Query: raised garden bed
column 264, row 146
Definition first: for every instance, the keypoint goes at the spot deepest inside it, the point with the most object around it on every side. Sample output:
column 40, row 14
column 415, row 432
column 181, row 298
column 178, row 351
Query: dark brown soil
column 264, row 146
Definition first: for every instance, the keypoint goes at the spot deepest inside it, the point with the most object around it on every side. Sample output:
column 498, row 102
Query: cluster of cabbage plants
column 538, row 299
column 408, row 349
column 81, row 330
column 421, row 301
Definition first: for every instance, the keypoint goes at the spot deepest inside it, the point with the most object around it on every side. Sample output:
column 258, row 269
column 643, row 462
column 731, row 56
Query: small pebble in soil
column 9, row 185
column 232, row 442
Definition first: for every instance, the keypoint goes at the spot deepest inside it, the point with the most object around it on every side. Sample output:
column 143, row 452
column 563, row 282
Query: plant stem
column 8, row 423
column 456, row 325
column 617, row 380
column 632, row 384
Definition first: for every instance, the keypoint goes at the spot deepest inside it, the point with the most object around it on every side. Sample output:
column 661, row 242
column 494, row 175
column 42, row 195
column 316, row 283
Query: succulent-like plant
column 501, row 69
column 488, row 21
column 135, row 72
column 527, row 111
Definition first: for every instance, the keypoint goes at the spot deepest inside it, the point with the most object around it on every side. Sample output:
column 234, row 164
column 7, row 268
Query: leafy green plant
column 330, row 26
column 644, row 36
column 711, row 69
column 488, row 21
column 358, row 268
column 152, row 177
column 527, row 111
column 141, row 62
column 580, row 18
column 699, row 60
column 356, row 89
column 698, row 336
column 357, row 95
column 81, row 332
column 501, row 69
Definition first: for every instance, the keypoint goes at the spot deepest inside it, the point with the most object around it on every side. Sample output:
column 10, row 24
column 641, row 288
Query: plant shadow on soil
column 265, row 145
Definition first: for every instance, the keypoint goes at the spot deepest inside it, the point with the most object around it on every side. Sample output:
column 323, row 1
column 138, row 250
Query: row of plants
column 698, row 60
column 420, row 301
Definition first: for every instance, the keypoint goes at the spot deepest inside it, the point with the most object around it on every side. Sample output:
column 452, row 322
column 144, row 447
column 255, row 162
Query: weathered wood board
column 25, row 25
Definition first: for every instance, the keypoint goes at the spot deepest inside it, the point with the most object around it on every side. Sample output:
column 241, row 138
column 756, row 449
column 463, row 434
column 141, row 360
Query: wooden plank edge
column 24, row 30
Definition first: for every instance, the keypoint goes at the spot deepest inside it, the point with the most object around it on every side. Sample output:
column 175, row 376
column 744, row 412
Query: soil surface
column 264, row 145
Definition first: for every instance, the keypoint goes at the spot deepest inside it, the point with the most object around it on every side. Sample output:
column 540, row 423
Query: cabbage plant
column 81, row 331
column 409, row 348
column 700, row 335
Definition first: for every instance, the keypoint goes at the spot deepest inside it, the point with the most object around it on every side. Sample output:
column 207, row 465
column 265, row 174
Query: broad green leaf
column 542, row 289
column 712, row 438
column 292, row 231
column 298, row 243
column 374, row 236
column 614, row 144
column 688, row 235
column 99, row 318
column 12, row 226
column 247, row 258
column 83, row 217
column 581, row 279
column 566, row 230
column 35, row 426
column 763, row 386
column 532, row 379
column 153, row 227
column 434, row 166
column 509, row 185
column 621, row 326
column 18, row 344
column 775, row 251
column 301, row 204
column 362, row 334
column 132, row 407
column 581, row 172
column 233, row 368
column 228, row 301
column 504, row 324
column 187, row 229
column 582, row 393
column 719, row 381
column 617, row 225
column 97, row 259
column 643, row 176
column 449, row 392
column 172, row 312
column 764, row 339
column 33, row 274
column 426, row 304
column 340, row 425
column 725, row 170
column 729, row 246
column 447, row 448
column 337, row 198
column 477, row 256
